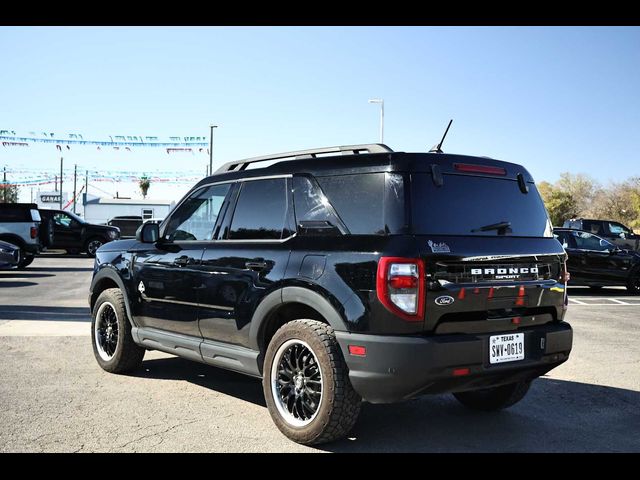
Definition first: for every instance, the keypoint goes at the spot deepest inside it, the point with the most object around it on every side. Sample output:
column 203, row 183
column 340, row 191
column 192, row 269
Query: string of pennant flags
column 194, row 145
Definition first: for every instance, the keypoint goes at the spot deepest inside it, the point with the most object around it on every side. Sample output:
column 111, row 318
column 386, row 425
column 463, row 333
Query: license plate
column 506, row 348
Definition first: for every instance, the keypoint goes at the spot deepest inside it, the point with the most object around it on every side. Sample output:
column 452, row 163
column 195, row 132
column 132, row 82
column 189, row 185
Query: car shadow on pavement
column 21, row 274
column 224, row 381
column 59, row 269
column 555, row 416
column 59, row 314
column 16, row 284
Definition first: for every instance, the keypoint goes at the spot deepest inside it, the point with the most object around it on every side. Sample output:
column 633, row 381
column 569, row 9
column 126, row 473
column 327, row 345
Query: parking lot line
column 577, row 302
column 620, row 301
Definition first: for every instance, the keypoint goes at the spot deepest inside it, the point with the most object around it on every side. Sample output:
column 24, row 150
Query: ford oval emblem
column 444, row 300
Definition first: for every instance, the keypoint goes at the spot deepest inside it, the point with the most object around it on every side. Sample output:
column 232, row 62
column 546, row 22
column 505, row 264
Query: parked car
column 21, row 225
column 128, row 225
column 345, row 273
column 595, row 262
column 9, row 255
column 614, row 232
column 73, row 234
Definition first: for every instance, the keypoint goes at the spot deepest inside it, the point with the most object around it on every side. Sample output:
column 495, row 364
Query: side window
column 196, row 217
column 593, row 227
column 616, row 229
column 311, row 205
column 62, row 220
column 586, row 241
column 358, row 200
column 260, row 210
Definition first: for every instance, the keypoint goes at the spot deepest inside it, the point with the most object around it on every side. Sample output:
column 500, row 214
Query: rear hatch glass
column 473, row 204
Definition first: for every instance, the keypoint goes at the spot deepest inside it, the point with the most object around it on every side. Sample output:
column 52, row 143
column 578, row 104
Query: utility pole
column 4, row 183
column 61, row 164
column 211, row 149
column 75, row 176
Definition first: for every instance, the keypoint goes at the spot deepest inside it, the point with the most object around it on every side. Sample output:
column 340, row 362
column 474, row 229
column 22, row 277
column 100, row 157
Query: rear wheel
column 633, row 284
column 92, row 245
column 306, row 384
column 113, row 345
column 494, row 398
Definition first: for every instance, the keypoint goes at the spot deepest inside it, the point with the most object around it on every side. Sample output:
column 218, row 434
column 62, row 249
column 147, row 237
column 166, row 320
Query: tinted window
column 464, row 203
column 63, row 220
column 617, row 229
column 358, row 200
column 260, row 210
column 13, row 214
column 586, row 241
column 310, row 203
column 196, row 217
column 593, row 227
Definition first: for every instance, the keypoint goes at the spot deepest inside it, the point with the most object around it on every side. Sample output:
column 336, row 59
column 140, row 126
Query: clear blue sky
column 552, row 98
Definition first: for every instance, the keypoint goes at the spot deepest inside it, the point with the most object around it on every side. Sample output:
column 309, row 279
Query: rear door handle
column 256, row 265
column 182, row 261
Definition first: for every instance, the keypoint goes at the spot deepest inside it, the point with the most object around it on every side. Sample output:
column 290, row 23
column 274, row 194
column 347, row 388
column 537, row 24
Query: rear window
column 464, row 203
column 14, row 214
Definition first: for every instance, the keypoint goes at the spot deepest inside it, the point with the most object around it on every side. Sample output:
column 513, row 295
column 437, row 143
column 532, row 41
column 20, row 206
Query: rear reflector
column 471, row 168
column 460, row 372
column 357, row 350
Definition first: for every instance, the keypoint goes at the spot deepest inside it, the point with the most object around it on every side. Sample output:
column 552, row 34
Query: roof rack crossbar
column 239, row 165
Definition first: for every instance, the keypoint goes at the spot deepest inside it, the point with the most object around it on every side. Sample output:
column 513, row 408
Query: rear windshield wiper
column 502, row 227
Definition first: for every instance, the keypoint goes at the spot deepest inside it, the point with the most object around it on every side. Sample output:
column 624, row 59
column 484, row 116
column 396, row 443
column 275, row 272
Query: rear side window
column 358, row 200
column 464, row 204
column 260, row 210
column 310, row 203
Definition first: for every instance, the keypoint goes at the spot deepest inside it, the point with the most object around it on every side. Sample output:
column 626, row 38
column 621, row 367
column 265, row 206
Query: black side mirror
column 148, row 233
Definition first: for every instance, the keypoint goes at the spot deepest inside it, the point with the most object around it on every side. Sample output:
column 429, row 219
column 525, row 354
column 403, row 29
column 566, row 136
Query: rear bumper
column 397, row 368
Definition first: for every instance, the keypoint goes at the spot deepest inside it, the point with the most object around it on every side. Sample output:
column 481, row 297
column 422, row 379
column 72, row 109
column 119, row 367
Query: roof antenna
column 438, row 148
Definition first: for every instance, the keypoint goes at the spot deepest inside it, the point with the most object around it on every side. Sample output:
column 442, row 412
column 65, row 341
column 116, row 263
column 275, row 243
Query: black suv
column 595, row 262
column 345, row 274
column 74, row 234
column 614, row 232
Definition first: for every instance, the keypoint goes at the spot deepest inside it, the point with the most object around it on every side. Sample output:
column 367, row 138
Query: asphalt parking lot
column 55, row 398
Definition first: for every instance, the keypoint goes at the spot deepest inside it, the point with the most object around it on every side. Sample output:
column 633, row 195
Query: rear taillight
column 400, row 286
column 34, row 232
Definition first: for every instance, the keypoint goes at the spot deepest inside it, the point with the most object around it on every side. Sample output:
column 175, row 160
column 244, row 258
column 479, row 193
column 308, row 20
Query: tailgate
column 513, row 283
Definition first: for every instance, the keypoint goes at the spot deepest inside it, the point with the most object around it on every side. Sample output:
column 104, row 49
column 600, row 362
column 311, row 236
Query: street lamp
column 211, row 149
column 381, row 102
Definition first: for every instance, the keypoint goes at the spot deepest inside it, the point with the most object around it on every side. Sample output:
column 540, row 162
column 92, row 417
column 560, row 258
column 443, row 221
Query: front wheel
column 306, row 384
column 113, row 345
column 92, row 246
column 25, row 260
column 494, row 398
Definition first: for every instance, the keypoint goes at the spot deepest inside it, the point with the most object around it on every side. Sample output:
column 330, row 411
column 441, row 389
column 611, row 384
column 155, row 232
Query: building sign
column 50, row 198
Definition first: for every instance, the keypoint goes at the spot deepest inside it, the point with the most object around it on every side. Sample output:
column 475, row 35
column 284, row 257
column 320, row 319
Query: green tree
column 8, row 193
column 561, row 206
column 144, row 185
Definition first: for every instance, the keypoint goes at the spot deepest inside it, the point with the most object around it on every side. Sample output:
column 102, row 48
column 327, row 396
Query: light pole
column 211, row 149
column 381, row 102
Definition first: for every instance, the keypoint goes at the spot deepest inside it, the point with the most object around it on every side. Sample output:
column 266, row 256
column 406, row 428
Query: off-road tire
column 494, row 398
column 127, row 355
column 339, row 406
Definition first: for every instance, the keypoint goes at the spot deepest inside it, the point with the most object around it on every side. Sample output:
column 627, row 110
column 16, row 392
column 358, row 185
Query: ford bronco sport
column 345, row 274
